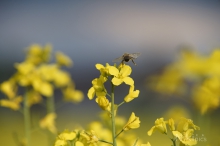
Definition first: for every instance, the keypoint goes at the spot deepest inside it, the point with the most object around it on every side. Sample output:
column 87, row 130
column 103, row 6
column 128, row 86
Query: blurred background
column 91, row 32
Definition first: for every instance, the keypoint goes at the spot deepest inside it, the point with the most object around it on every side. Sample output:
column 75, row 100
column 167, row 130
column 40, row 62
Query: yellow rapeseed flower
column 185, row 137
column 48, row 122
column 63, row 60
column 98, row 87
column 13, row 103
column 132, row 94
column 160, row 125
column 103, row 102
column 9, row 88
column 71, row 94
column 185, row 124
column 64, row 137
column 132, row 123
column 103, row 70
column 121, row 75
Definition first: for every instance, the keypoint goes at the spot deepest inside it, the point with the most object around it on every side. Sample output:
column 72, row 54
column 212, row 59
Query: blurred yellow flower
column 71, row 94
column 9, row 88
column 170, row 82
column 63, row 60
column 160, row 125
column 62, row 139
column 206, row 96
column 33, row 97
column 132, row 94
column 185, row 137
column 61, row 78
column 132, row 123
column 13, row 103
column 43, row 87
column 185, row 124
column 122, row 75
column 48, row 122
column 171, row 124
column 91, row 137
column 24, row 68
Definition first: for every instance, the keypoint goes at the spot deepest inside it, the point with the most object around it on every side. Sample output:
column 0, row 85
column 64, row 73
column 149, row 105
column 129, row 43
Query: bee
column 126, row 57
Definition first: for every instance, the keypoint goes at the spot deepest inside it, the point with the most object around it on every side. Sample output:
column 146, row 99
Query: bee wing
column 134, row 55
column 118, row 59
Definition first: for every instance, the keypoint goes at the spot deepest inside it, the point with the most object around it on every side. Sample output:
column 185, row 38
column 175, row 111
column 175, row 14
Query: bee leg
column 133, row 62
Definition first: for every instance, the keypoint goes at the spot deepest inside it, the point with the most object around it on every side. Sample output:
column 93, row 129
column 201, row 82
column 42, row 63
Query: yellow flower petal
column 125, row 71
column 48, row 122
column 113, row 71
column 128, row 81
column 62, row 59
column 91, row 93
column 117, row 81
column 99, row 66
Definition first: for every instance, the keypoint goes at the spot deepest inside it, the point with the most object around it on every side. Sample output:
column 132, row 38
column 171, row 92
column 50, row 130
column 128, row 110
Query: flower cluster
column 203, row 74
column 118, row 75
column 39, row 78
column 183, row 130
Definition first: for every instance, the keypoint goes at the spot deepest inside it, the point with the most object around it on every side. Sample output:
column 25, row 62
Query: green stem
column 174, row 141
column 119, row 133
column 105, row 141
column 50, row 105
column 50, row 109
column 113, row 116
column 27, row 120
column 121, row 103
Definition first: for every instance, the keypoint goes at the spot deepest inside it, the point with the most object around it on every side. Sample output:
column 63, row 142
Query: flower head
column 98, row 87
column 62, row 59
column 103, row 102
column 121, row 75
column 132, row 94
column 132, row 123
column 160, row 125
column 48, row 122
column 185, row 137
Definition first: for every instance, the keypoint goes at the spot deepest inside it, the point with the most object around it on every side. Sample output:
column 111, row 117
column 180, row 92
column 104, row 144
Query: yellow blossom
column 160, row 125
column 185, row 138
column 103, row 70
column 24, row 67
column 206, row 96
column 8, row 88
column 170, row 82
column 122, row 75
column 103, row 102
column 171, row 124
column 33, row 97
column 64, row 137
column 71, row 94
column 48, row 122
column 132, row 123
column 185, row 124
column 43, row 87
column 62, row 59
column 13, row 103
column 91, row 137
column 61, row 78
column 98, row 87
column 132, row 94
column 37, row 54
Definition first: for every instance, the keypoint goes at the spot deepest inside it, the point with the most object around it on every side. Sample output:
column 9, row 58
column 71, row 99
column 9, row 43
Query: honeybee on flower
column 126, row 57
